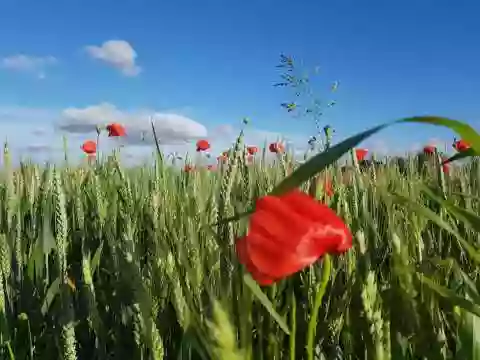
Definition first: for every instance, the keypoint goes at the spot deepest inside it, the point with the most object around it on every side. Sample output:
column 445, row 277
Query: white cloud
column 118, row 53
column 28, row 64
column 171, row 129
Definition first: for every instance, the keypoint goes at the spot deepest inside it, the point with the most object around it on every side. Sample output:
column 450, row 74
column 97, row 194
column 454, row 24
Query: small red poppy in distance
column 445, row 167
column 287, row 233
column 429, row 150
column 461, row 145
column 361, row 154
column 252, row 150
column 276, row 148
column 202, row 145
column 116, row 129
column 89, row 147
column 327, row 187
column 188, row 168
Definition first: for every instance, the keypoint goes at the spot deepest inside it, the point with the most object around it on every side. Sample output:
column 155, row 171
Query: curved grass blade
column 450, row 295
column 469, row 336
column 469, row 217
column 462, row 155
column 319, row 162
column 437, row 220
column 466, row 132
column 253, row 286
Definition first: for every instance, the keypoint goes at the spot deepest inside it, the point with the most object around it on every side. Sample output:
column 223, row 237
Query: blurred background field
column 107, row 262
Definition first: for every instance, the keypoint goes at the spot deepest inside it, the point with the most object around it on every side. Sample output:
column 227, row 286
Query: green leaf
column 469, row 336
column 433, row 217
column 253, row 286
column 52, row 291
column 450, row 295
column 461, row 155
column 465, row 131
column 96, row 259
column 319, row 162
column 469, row 217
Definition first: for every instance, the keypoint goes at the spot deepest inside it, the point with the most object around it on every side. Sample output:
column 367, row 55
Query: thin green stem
column 321, row 288
column 293, row 324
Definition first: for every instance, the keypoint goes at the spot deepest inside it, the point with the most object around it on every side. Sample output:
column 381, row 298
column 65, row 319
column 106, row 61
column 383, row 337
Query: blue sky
column 212, row 62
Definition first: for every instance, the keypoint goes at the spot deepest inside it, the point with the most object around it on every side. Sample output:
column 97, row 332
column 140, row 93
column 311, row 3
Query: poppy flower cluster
column 251, row 151
column 89, row 147
column 288, row 233
column 430, row 150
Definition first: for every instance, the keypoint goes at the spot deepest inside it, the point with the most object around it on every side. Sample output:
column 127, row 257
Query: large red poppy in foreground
column 288, row 233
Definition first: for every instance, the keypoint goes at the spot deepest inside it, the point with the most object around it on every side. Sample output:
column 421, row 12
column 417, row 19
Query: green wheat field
column 103, row 261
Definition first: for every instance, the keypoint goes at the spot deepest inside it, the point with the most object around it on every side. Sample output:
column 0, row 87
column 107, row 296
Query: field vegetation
column 102, row 261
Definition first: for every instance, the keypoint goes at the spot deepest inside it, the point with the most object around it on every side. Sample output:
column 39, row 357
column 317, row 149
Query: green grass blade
column 253, row 286
column 461, row 155
column 450, row 295
column 467, row 216
column 469, row 336
column 319, row 162
column 465, row 131
column 430, row 215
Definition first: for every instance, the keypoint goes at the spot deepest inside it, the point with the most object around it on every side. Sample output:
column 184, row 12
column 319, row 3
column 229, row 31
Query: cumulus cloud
column 28, row 64
column 117, row 53
column 171, row 129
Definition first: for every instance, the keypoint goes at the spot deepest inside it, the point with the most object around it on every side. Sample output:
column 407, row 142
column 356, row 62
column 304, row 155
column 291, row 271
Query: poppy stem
column 321, row 288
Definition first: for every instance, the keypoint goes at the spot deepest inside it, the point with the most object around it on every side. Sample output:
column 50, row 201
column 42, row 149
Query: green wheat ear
column 223, row 335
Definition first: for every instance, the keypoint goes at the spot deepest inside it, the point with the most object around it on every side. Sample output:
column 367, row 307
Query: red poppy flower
column 288, row 233
column 89, row 147
column 446, row 168
column 327, row 187
column 461, row 145
column 252, row 150
column 276, row 148
column 211, row 167
column 361, row 154
column 203, row 145
column 116, row 129
column 429, row 149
